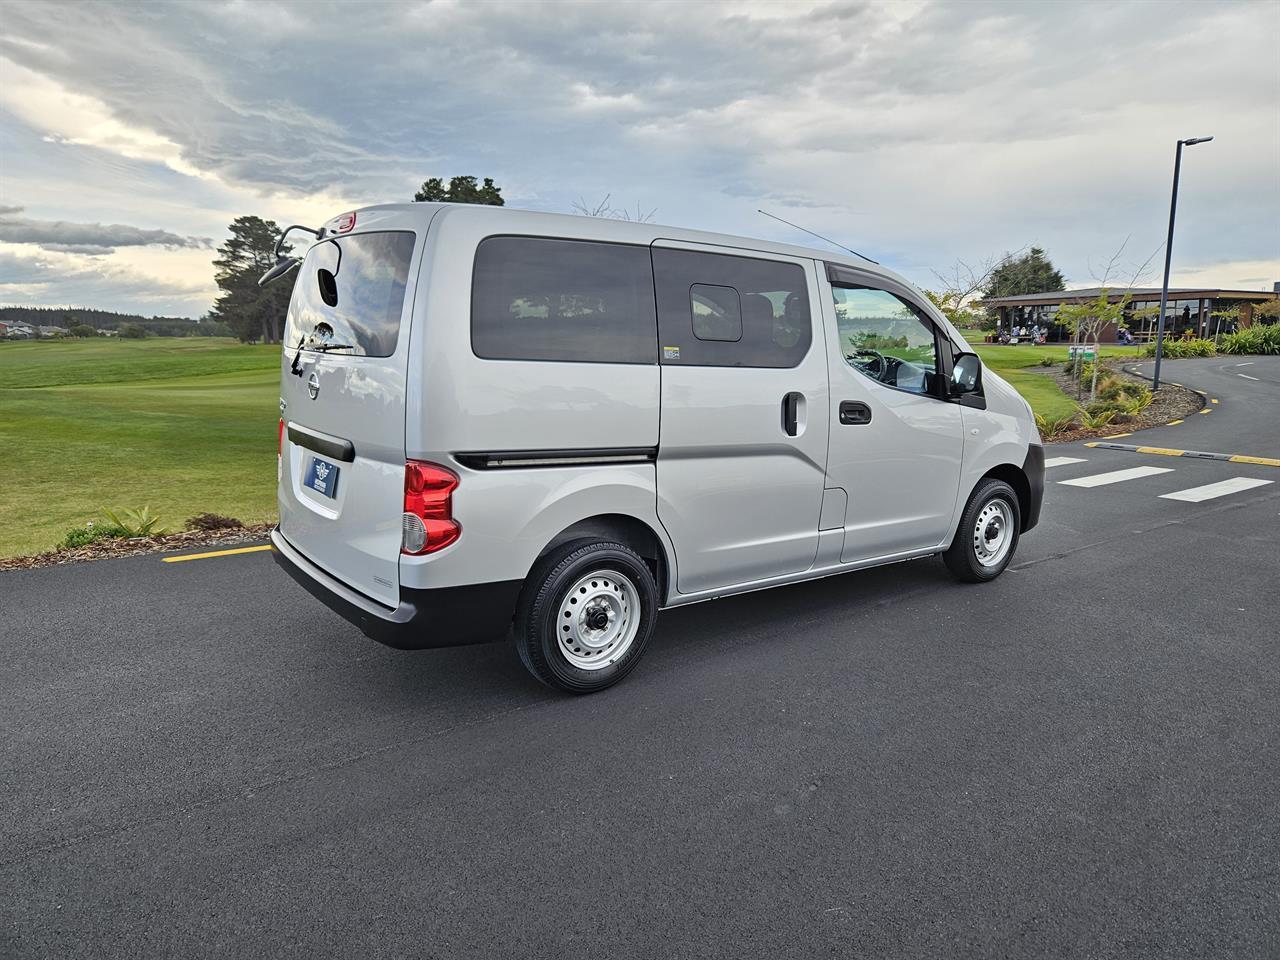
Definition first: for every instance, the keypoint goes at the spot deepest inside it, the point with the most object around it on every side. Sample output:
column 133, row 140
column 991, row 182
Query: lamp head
column 1196, row 140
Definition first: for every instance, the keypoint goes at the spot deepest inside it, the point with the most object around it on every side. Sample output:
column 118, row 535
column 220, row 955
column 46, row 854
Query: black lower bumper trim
column 439, row 617
column 1033, row 468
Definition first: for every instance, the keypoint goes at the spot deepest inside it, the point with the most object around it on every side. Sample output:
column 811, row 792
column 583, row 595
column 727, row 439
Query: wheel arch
column 625, row 529
column 1017, row 479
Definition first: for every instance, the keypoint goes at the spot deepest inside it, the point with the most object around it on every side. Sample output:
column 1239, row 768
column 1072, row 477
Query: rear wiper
column 326, row 347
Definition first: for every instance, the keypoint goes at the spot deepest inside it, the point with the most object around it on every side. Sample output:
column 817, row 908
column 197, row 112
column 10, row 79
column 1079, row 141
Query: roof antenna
column 820, row 237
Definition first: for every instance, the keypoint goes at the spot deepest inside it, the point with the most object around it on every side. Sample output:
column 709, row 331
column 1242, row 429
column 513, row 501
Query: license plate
column 322, row 477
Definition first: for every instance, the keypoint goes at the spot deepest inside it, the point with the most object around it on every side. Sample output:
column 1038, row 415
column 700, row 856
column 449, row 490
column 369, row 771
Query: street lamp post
column 1168, row 254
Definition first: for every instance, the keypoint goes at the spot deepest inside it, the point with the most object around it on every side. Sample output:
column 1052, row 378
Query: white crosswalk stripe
column 1063, row 461
column 1211, row 491
column 1115, row 476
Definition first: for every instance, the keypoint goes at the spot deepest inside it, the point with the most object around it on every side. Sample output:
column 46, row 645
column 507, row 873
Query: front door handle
column 854, row 412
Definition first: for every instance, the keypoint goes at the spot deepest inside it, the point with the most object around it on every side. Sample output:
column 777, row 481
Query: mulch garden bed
column 1171, row 403
column 104, row 549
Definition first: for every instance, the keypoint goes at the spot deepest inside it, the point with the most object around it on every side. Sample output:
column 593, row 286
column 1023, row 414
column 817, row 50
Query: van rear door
column 342, row 392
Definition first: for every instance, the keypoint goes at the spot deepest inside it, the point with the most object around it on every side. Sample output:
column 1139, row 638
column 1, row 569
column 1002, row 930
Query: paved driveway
column 1080, row 759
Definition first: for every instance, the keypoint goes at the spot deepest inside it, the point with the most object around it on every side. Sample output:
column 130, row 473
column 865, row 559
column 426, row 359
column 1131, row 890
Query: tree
column 133, row 331
column 460, row 190
column 253, row 312
column 602, row 209
column 1267, row 312
column 83, row 330
column 1032, row 272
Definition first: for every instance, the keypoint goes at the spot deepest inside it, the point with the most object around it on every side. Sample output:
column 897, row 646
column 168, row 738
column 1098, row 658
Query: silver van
column 499, row 423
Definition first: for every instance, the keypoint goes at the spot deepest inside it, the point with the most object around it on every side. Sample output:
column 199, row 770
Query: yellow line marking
column 1173, row 423
column 216, row 553
column 1213, row 399
column 1163, row 451
column 1112, row 436
column 1264, row 461
column 1207, row 410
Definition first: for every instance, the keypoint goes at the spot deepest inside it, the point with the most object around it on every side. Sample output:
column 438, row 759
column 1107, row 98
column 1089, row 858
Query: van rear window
column 349, row 295
column 542, row 299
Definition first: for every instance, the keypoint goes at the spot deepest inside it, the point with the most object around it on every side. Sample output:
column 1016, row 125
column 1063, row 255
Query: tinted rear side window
column 575, row 300
column 728, row 311
column 349, row 295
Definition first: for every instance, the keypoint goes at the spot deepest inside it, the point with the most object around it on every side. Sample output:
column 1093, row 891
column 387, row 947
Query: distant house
column 17, row 330
column 47, row 330
column 1188, row 309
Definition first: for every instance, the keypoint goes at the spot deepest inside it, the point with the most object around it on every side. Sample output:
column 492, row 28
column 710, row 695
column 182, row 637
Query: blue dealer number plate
column 322, row 477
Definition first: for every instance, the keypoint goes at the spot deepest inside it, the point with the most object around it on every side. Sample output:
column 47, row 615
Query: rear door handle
column 854, row 412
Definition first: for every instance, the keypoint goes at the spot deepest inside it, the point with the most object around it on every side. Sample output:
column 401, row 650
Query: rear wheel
column 585, row 615
column 987, row 535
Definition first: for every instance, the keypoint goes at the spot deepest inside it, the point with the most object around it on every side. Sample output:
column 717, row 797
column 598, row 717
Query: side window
column 717, row 312
column 885, row 338
column 540, row 299
column 729, row 311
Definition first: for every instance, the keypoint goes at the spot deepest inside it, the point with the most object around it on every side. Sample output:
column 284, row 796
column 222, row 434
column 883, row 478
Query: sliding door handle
column 791, row 414
column 854, row 413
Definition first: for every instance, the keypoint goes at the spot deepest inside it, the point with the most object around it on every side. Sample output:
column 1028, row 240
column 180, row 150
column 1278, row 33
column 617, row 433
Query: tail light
column 428, row 523
column 280, row 451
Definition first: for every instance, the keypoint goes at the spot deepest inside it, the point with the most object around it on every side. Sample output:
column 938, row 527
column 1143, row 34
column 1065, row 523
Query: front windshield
column 349, row 295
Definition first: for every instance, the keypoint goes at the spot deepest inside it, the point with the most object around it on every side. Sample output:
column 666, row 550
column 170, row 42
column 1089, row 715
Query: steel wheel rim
column 598, row 619
column 993, row 533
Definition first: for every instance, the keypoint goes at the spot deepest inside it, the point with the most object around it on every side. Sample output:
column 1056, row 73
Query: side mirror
column 282, row 266
column 966, row 376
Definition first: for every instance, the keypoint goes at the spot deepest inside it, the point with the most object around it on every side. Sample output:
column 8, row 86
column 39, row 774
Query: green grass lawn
column 1016, row 363
column 183, row 425
column 186, row 426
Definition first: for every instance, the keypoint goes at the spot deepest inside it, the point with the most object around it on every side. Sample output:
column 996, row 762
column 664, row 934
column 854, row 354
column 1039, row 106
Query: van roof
column 621, row 231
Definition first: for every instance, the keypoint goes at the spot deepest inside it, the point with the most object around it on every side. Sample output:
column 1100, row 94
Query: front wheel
column 585, row 615
column 987, row 535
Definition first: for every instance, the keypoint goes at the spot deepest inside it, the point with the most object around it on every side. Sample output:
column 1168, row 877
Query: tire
column 987, row 536
column 585, row 615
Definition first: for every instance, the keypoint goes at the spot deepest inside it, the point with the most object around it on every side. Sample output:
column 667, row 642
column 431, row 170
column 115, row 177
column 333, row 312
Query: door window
column 886, row 339
column 719, row 310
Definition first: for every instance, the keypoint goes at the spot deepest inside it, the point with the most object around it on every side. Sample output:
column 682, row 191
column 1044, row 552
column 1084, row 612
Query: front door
column 896, row 441
column 743, row 429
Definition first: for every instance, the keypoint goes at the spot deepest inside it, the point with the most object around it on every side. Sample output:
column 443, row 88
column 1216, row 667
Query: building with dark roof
column 1188, row 309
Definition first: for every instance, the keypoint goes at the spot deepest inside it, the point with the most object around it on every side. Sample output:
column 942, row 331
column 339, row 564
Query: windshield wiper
column 326, row 347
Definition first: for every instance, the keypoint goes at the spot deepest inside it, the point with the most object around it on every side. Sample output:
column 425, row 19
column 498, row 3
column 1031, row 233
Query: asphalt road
column 1080, row 759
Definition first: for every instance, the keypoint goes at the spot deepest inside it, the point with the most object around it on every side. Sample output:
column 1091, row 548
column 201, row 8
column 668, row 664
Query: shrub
column 1095, row 420
column 1256, row 339
column 1051, row 428
column 136, row 523
column 1181, row 349
column 133, row 331
column 1046, row 361
column 90, row 533
column 83, row 330
column 213, row 521
column 1111, row 388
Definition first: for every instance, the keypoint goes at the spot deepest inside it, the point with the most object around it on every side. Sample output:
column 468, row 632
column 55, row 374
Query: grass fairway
column 1016, row 363
column 183, row 425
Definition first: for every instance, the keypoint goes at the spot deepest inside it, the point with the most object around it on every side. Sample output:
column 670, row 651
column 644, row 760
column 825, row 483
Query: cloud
column 87, row 238
column 921, row 131
column 36, row 278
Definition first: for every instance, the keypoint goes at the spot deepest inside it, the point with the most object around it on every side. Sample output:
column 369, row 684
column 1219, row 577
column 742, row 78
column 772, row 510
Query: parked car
column 505, row 424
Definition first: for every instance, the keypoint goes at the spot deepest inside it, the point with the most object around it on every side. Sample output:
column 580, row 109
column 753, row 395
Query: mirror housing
column 966, row 379
column 282, row 266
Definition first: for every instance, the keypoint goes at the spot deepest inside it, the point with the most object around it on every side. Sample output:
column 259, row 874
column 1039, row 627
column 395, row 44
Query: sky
column 920, row 133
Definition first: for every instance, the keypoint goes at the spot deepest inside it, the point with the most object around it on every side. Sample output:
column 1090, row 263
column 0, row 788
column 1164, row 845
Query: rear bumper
column 443, row 617
column 1033, row 469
